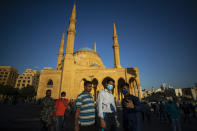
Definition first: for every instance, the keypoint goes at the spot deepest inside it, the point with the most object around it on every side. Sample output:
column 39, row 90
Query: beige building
column 8, row 75
column 178, row 92
column 85, row 64
column 190, row 92
column 28, row 78
column 146, row 93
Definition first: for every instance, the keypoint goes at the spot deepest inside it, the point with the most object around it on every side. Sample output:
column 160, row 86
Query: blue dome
column 86, row 49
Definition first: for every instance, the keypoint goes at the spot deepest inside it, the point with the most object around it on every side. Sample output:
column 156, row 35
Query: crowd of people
column 171, row 112
column 90, row 115
column 102, row 115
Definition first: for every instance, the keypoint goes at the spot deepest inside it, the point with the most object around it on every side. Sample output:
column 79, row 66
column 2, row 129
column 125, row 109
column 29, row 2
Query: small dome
column 86, row 49
column 94, row 64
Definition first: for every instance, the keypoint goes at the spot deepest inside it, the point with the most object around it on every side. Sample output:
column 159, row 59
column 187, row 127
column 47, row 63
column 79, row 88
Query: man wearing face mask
column 61, row 106
column 132, row 117
column 107, row 109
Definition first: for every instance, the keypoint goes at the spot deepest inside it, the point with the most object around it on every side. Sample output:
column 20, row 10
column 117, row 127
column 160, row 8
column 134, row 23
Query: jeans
column 45, row 127
column 110, row 122
column 132, row 121
column 176, row 124
column 59, row 123
column 162, row 116
column 87, row 128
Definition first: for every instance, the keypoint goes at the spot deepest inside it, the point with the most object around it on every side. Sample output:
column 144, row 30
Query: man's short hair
column 110, row 80
column 87, row 83
column 125, row 84
column 48, row 90
column 63, row 93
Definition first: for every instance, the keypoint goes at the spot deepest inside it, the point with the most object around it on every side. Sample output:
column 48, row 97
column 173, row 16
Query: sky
column 157, row 36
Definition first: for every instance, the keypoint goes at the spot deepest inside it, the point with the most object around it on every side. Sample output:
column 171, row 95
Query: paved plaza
column 26, row 117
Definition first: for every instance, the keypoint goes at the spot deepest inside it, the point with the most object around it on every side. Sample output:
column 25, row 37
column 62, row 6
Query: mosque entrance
column 121, row 82
column 133, row 86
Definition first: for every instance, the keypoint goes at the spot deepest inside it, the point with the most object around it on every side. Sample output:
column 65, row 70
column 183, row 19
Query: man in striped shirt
column 85, row 110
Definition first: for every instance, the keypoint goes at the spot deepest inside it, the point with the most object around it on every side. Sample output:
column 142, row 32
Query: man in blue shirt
column 132, row 117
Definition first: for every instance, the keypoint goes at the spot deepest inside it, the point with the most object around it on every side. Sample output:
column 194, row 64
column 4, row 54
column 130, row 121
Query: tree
column 11, row 91
column 28, row 92
column 8, row 90
column 1, row 90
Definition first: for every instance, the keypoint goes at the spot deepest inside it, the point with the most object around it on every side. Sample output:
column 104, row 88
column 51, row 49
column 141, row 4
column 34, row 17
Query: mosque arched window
column 50, row 84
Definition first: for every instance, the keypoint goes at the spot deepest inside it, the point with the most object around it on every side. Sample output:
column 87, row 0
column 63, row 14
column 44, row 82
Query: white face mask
column 62, row 97
column 110, row 87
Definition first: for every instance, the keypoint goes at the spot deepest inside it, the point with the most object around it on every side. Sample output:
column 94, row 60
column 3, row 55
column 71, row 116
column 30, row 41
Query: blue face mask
column 124, row 91
column 110, row 87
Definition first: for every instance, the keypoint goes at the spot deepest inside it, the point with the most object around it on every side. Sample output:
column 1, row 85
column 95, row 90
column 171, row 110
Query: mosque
column 73, row 68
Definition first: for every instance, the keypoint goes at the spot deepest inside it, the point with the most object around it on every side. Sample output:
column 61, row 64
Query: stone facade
column 73, row 68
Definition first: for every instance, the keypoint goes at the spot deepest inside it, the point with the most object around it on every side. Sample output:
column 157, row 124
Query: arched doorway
column 133, row 86
column 121, row 82
column 95, row 92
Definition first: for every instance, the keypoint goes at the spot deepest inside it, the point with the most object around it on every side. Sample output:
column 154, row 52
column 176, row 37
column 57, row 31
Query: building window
column 19, row 81
column 18, row 85
column 28, row 81
column 6, row 72
column 21, row 77
column 23, row 81
column 2, row 72
column 50, row 84
column 23, row 85
column 28, row 77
